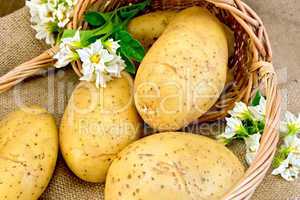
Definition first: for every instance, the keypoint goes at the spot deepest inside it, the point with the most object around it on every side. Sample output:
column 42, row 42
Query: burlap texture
column 52, row 90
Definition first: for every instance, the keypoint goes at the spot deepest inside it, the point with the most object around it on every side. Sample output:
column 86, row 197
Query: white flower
column 45, row 14
column 240, row 111
column 252, row 146
column 44, row 32
column 33, row 6
column 66, row 53
column 64, row 56
column 99, row 65
column 40, row 12
column 112, row 46
column 295, row 160
column 52, row 3
column 250, row 156
column 71, row 2
column 95, row 55
column 290, row 173
column 259, row 111
column 63, row 15
column 291, row 125
column 289, row 168
column 72, row 42
column 116, row 66
column 292, row 142
column 282, row 167
column 252, row 142
column 42, row 19
column 233, row 127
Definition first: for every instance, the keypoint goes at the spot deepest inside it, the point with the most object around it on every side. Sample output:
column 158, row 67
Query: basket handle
column 28, row 69
column 256, row 172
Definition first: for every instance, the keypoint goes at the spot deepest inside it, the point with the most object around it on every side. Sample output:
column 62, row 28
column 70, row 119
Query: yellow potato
column 230, row 40
column 147, row 28
column 97, row 124
column 184, row 72
column 28, row 153
column 177, row 166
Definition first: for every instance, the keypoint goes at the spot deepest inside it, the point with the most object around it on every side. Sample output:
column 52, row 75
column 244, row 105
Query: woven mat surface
column 52, row 90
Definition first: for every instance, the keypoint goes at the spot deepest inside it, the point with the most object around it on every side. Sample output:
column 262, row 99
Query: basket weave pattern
column 251, row 65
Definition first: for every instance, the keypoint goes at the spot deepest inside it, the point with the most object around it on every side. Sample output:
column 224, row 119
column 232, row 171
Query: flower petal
column 252, row 142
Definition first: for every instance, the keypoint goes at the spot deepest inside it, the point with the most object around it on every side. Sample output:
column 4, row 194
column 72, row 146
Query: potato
column 28, row 153
column 97, row 124
column 184, row 72
column 230, row 40
column 173, row 166
column 147, row 28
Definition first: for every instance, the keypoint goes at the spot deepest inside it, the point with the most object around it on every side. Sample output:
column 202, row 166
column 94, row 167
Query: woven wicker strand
column 251, row 65
column 27, row 69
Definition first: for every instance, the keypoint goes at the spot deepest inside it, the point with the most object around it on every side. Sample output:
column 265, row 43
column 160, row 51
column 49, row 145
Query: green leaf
column 119, row 17
column 84, row 36
column 261, row 126
column 129, row 46
column 130, row 67
column 68, row 33
column 104, row 30
column 90, row 36
column 53, row 27
column 253, row 126
column 113, row 24
column 249, row 126
column 96, row 18
column 256, row 98
column 281, row 156
column 58, row 38
column 128, row 12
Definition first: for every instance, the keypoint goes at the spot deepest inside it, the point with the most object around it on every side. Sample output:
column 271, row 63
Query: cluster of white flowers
column 101, row 63
column 48, row 16
column 289, row 153
column 235, row 128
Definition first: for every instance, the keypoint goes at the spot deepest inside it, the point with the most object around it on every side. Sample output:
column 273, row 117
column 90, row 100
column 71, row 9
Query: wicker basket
column 251, row 65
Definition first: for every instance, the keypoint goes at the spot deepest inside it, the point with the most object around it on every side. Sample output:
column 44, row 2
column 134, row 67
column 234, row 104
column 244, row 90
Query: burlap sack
column 52, row 90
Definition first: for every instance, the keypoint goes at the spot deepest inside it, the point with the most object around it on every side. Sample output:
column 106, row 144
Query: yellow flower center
column 95, row 58
column 49, row 14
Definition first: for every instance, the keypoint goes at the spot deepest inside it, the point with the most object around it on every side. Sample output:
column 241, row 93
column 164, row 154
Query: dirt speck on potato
column 184, row 72
column 93, row 132
column 173, row 165
column 28, row 153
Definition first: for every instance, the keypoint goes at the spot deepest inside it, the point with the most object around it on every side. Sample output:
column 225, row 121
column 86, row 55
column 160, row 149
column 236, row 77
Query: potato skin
column 147, row 28
column 184, row 72
column 28, row 153
column 230, row 40
column 175, row 166
column 97, row 124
